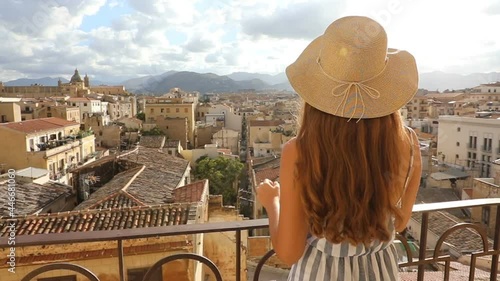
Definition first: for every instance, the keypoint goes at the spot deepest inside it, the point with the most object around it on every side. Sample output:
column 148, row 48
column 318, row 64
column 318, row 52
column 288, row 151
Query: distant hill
column 192, row 81
column 209, row 82
column 46, row 81
column 269, row 79
column 441, row 81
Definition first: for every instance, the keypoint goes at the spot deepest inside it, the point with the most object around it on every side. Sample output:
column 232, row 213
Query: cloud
column 299, row 21
column 493, row 9
column 199, row 45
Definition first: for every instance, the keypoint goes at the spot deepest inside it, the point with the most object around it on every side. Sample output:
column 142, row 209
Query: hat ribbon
column 359, row 88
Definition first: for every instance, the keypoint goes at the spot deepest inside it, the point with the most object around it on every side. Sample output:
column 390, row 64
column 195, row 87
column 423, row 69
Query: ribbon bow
column 359, row 89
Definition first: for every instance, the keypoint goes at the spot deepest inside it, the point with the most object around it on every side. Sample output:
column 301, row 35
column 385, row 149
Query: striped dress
column 324, row 261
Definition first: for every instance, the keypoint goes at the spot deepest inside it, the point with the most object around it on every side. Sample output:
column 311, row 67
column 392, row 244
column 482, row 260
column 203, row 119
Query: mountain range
column 209, row 82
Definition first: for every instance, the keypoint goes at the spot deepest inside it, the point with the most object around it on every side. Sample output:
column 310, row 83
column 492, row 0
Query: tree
column 222, row 174
column 141, row 116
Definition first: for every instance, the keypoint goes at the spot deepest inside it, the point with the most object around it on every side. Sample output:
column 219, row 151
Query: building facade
column 49, row 143
column 468, row 142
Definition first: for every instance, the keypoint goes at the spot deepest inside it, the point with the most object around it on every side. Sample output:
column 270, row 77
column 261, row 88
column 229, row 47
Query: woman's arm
column 409, row 197
column 287, row 220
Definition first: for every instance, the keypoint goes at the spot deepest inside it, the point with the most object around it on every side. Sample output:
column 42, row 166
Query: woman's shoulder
column 290, row 145
column 289, row 149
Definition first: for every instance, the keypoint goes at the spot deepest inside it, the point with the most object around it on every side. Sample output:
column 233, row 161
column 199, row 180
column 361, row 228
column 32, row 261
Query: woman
column 350, row 178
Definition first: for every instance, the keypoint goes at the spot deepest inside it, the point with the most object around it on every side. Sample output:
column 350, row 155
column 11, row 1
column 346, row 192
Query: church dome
column 76, row 77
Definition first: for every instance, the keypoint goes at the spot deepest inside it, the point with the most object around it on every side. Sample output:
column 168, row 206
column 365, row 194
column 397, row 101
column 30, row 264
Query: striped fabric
column 323, row 261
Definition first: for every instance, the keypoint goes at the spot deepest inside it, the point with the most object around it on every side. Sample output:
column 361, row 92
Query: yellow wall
column 483, row 189
column 175, row 129
column 12, row 150
column 12, row 111
column 109, row 90
column 107, row 269
column 220, row 247
column 174, row 110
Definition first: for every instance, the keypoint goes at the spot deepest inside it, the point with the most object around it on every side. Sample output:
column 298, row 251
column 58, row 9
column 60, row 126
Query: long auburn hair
column 349, row 174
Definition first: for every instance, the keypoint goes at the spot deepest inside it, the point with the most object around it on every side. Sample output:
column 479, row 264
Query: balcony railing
column 238, row 226
column 486, row 149
column 471, row 146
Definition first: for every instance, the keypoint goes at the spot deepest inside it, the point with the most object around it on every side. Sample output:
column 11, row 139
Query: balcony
column 471, row 146
column 52, row 148
column 119, row 236
column 486, row 149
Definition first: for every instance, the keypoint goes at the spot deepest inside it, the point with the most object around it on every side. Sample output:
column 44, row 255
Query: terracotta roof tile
column 101, row 220
column 272, row 173
column 38, row 125
column 191, row 193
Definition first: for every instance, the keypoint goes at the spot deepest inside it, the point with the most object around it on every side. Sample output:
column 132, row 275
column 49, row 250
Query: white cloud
column 222, row 36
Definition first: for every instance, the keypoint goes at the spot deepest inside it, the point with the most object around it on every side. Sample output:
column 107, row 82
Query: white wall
column 453, row 138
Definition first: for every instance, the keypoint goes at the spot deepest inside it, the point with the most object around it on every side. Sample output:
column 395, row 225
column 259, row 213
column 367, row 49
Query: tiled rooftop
column 39, row 125
column 266, row 123
column 193, row 192
column 464, row 240
column 271, row 173
column 152, row 141
column 31, row 197
column 100, row 220
column 150, row 183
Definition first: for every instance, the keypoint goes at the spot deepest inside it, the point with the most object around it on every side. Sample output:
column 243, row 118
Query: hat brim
column 397, row 84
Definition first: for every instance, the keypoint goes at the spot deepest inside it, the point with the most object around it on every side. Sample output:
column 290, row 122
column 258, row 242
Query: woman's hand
column 268, row 193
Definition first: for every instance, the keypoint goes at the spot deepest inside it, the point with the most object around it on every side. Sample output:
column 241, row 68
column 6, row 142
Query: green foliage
column 222, row 174
column 153, row 132
column 141, row 116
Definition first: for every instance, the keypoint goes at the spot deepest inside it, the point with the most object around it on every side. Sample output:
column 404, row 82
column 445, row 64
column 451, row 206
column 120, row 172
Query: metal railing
column 486, row 148
column 471, row 146
column 238, row 226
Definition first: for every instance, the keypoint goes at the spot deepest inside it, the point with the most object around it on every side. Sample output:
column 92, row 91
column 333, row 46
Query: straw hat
column 349, row 72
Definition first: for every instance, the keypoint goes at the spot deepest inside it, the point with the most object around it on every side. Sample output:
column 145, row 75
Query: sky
column 113, row 40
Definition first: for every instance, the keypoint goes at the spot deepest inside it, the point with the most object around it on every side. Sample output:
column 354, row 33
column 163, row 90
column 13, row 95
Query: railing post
column 238, row 255
column 496, row 247
column 423, row 245
column 121, row 267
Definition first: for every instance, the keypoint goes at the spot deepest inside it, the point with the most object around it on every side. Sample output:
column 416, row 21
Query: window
column 138, row 273
column 60, row 278
column 177, row 110
column 458, row 143
column 185, row 110
column 84, row 104
column 152, row 110
column 456, row 156
column 161, row 110
column 458, row 129
column 485, row 216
